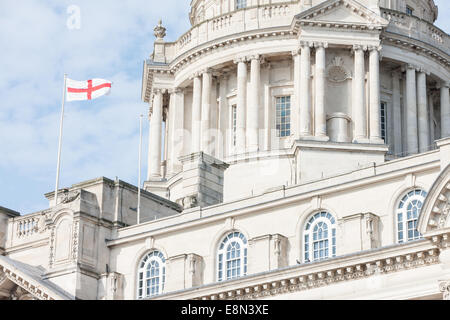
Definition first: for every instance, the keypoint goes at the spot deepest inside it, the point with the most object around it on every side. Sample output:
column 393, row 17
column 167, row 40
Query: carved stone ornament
column 21, row 294
column 160, row 31
column 336, row 71
column 188, row 202
column 444, row 287
column 70, row 196
column 328, row 277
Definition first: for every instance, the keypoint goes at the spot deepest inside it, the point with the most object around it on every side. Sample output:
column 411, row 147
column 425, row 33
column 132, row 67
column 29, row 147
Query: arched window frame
column 146, row 275
column 406, row 225
column 224, row 270
column 329, row 247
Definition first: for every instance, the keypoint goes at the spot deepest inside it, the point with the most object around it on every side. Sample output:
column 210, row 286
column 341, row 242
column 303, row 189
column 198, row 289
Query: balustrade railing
column 235, row 22
column 416, row 28
column 26, row 226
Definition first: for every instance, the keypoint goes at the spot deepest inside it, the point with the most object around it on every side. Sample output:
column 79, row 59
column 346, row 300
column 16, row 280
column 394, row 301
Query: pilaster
column 319, row 108
column 359, row 106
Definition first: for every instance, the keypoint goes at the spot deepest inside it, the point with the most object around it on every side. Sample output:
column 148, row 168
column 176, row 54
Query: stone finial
column 160, row 31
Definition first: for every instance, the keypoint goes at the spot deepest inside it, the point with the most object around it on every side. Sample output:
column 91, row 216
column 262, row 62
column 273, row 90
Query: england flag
column 86, row 90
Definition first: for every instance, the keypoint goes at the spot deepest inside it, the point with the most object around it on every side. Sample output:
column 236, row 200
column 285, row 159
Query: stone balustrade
column 26, row 226
column 416, row 28
column 253, row 18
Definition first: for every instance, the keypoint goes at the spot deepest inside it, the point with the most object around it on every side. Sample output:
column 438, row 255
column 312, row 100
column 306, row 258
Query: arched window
column 232, row 257
column 241, row 4
column 151, row 275
column 320, row 237
column 408, row 212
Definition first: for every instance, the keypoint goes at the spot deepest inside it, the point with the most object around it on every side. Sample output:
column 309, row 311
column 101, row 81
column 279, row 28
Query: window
column 320, row 237
column 283, row 116
column 233, row 124
column 232, row 257
column 151, row 275
column 241, row 4
column 383, row 122
column 408, row 213
column 409, row 10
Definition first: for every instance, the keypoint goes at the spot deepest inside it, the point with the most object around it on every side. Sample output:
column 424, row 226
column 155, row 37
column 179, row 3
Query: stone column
column 223, row 117
column 431, row 117
column 305, row 88
column 196, row 114
column 176, row 128
column 241, row 104
column 411, row 111
column 154, row 153
column 445, row 110
column 397, row 114
column 206, row 111
column 375, row 108
column 422, row 111
column 319, row 111
column 253, row 108
column 358, row 101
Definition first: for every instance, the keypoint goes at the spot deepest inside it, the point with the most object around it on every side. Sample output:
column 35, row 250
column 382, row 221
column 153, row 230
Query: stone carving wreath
column 336, row 71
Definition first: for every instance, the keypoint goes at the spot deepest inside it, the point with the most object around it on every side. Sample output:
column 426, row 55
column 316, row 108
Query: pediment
column 341, row 13
column 19, row 281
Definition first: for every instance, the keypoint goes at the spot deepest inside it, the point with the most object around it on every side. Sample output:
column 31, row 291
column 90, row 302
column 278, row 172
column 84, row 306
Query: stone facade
column 306, row 156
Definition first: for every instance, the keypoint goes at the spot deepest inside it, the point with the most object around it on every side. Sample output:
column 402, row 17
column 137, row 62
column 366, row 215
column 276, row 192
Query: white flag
column 86, row 90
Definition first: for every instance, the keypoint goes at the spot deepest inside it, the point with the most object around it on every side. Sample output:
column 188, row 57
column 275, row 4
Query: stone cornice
column 310, row 276
column 416, row 46
column 35, row 289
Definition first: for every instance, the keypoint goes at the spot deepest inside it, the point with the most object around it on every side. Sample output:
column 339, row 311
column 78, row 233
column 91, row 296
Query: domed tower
column 261, row 94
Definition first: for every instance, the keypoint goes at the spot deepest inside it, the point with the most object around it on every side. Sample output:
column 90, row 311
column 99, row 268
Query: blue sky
column 101, row 137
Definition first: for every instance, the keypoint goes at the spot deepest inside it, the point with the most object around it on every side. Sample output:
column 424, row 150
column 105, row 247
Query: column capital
column 308, row 44
column 205, row 70
column 159, row 90
column 176, row 90
column 295, row 53
column 239, row 60
column 422, row 70
column 373, row 48
column 323, row 45
column 410, row 66
column 443, row 84
column 359, row 47
column 195, row 75
column 396, row 74
column 253, row 57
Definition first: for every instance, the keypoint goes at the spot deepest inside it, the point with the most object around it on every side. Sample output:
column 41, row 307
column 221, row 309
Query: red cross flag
column 87, row 90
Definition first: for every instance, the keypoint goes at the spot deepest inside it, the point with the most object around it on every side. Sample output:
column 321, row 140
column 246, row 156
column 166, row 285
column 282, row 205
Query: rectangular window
column 409, row 10
column 383, row 122
column 283, row 116
column 241, row 4
column 233, row 123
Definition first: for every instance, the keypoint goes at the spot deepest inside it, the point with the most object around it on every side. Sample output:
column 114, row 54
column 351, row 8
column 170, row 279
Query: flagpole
column 139, row 174
column 60, row 141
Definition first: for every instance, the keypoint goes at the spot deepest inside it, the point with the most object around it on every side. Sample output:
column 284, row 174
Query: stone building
column 298, row 150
